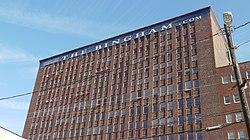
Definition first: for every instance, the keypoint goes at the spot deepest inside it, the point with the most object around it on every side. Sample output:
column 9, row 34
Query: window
column 155, row 123
column 248, row 74
column 236, row 98
column 122, row 127
column 162, row 77
column 198, row 118
column 155, row 67
column 169, row 63
column 109, row 128
column 179, row 87
column 181, row 136
column 170, row 75
column 241, row 135
column 162, row 122
column 133, row 96
column 162, row 65
column 190, row 135
column 162, row 88
column 155, row 91
column 145, row 109
column 89, row 131
column 95, row 130
column 197, row 101
column 231, row 136
column 116, row 128
column 163, row 137
column 82, row 132
column 162, row 106
column 193, row 47
column 196, row 84
column 117, row 112
column 188, row 85
column 111, row 114
column 227, row 99
column 179, row 73
column 155, row 78
column 224, row 80
column 171, row 137
column 190, row 119
column 146, row 93
column 229, row 118
column 199, row 135
column 238, row 117
column 155, row 107
column 181, row 120
column 101, row 129
column 180, row 103
column 131, row 111
column 138, row 110
column 233, row 78
column 170, row 89
column 124, row 97
column 138, row 125
column 170, row 105
column 194, row 58
column 189, row 102
column 145, row 124
column 123, row 112
column 170, row 121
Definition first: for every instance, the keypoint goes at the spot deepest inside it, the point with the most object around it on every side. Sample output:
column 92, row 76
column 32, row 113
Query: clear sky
column 31, row 30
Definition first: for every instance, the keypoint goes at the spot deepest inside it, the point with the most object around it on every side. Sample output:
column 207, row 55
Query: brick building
column 162, row 81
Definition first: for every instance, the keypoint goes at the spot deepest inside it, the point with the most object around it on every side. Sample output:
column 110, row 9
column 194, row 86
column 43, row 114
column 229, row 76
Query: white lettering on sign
column 123, row 38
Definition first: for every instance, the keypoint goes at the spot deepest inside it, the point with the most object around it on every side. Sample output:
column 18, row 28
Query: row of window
column 230, row 118
column 240, row 135
column 225, row 79
column 121, row 98
column 181, row 136
column 236, row 98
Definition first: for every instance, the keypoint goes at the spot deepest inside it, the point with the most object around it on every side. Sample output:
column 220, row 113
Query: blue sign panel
column 161, row 26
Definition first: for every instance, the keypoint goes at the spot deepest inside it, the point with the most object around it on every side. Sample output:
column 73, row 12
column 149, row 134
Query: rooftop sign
column 161, row 26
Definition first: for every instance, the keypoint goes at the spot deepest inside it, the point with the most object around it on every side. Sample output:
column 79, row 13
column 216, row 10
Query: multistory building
column 162, row 81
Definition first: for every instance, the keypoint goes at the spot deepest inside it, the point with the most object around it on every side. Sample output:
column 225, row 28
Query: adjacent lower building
column 162, row 81
column 6, row 134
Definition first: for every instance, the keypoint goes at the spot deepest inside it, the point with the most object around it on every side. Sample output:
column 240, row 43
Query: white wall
column 8, row 135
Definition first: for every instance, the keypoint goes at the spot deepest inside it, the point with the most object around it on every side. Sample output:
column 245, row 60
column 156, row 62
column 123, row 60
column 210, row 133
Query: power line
column 15, row 96
column 242, row 25
column 104, row 72
column 242, row 44
column 218, row 33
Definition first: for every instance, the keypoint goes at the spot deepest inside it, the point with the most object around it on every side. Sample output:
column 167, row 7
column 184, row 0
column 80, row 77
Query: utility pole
column 227, row 16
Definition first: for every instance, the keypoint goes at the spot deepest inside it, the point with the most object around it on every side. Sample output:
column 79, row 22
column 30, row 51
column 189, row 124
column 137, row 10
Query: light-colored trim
column 232, row 78
column 237, row 117
column 234, row 98
column 222, row 79
column 227, row 118
column 225, row 100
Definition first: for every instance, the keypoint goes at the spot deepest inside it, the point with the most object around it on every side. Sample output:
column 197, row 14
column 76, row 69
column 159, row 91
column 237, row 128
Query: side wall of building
column 32, row 106
column 219, row 43
column 207, row 77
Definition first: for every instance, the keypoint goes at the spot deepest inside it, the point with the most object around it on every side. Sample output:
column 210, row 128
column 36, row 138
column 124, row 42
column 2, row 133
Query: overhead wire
column 218, row 33
column 15, row 96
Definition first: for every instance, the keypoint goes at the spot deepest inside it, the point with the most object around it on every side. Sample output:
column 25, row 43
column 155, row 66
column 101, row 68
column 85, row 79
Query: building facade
column 162, row 81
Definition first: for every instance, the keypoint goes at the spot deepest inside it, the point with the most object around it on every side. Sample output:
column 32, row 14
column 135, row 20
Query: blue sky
column 31, row 30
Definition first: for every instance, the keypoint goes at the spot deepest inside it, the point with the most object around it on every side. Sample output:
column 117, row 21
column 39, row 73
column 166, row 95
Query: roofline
column 140, row 28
